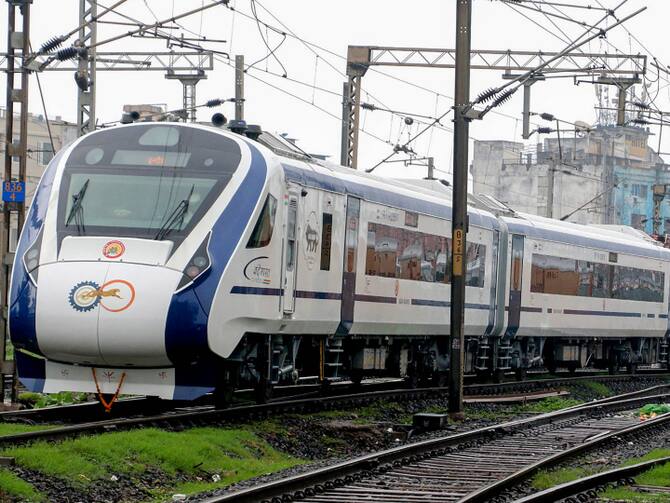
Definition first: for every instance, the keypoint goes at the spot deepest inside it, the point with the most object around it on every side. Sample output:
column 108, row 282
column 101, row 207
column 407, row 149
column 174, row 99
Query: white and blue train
column 172, row 260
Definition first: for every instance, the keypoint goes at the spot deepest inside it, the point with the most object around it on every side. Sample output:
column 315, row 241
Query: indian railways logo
column 310, row 249
column 114, row 296
column 113, row 249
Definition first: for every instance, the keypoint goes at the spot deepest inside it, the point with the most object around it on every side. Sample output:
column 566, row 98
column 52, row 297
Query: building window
column 46, row 153
column 411, row 219
column 638, row 221
column 639, row 190
column 394, row 252
column 579, row 278
column 326, row 240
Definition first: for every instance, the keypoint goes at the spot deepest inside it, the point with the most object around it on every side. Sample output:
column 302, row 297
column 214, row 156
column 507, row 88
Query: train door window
column 291, row 222
column 476, row 265
column 326, row 240
column 353, row 207
column 517, row 262
column 262, row 233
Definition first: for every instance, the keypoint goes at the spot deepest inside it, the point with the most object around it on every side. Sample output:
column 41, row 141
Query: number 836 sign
column 13, row 191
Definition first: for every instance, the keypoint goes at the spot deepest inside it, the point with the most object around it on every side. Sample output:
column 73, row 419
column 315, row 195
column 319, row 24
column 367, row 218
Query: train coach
column 174, row 260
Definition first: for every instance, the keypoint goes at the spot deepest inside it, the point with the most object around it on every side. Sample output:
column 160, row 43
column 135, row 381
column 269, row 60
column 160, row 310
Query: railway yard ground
column 194, row 461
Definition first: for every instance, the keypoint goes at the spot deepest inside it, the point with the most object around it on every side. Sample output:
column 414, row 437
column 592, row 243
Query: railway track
column 468, row 467
column 588, row 488
column 146, row 406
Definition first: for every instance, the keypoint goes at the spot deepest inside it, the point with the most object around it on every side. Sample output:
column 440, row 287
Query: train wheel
column 263, row 390
column 223, row 397
column 631, row 368
column 356, row 378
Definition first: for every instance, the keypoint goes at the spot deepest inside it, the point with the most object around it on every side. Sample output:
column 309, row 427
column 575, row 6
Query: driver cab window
column 262, row 232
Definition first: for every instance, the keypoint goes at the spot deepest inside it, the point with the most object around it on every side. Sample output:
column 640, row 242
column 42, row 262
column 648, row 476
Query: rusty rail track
column 455, row 468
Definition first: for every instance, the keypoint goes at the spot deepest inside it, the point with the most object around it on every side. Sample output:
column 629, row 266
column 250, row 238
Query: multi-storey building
column 605, row 176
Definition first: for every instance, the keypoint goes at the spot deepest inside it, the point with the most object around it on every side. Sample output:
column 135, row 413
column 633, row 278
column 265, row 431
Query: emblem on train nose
column 113, row 249
column 114, row 296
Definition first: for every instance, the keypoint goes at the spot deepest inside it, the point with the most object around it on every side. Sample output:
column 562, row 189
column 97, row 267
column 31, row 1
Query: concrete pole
column 459, row 205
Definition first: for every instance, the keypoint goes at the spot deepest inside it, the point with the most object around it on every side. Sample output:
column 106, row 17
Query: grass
column 545, row 480
column 598, row 388
column 12, row 428
column 12, row 486
column 549, row 404
column 193, row 456
column 659, row 476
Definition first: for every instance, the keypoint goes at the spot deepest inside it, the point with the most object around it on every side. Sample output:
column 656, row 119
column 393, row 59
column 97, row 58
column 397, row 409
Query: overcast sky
column 335, row 25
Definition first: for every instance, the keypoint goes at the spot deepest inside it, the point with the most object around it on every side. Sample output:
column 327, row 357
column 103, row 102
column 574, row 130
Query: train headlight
column 197, row 266
column 31, row 258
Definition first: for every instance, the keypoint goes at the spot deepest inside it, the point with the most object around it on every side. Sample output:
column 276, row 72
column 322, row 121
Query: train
column 176, row 260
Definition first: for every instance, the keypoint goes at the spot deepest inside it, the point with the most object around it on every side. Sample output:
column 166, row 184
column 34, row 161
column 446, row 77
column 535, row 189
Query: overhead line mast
column 459, row 204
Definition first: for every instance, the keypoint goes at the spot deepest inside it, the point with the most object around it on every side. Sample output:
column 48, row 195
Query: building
column 606, row 176
column 40, row 152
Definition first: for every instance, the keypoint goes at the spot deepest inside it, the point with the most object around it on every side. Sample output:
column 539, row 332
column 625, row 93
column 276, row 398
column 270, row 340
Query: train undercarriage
column 263, row 361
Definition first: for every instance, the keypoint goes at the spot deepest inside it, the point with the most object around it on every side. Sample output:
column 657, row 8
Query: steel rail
column 300, row 486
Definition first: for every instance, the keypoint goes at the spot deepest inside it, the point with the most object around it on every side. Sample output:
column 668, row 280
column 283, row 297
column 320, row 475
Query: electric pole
column 239, row 87
column 551, row 173
column 13, row 182
column 459, row 204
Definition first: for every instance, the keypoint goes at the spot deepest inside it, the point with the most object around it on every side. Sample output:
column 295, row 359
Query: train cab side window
column 326, row 240
column 262, row 233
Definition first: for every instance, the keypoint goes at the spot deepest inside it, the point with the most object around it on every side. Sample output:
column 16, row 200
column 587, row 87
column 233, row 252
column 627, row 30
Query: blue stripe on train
column 23, row 294
column 186, row 325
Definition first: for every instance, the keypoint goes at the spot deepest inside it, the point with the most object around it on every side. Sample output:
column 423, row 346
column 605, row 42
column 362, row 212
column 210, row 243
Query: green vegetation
column 39, row 400
column 505, row 412
column 546, row 479
column 598, row 388
column 654, row 408
column 659, row 476
column 12, row 428
column 13, row 486
column 189, row 459
column 550, row 404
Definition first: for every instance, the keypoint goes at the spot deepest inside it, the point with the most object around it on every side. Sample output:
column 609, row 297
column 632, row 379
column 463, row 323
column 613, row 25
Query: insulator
column 545, row 130
column 368, row 106
column 214, row 103
column 547, row 117
column 639, row 120
column 67, row 53
column 51, row 44
column 641, row 105
column 503, row 97
column 485, row 96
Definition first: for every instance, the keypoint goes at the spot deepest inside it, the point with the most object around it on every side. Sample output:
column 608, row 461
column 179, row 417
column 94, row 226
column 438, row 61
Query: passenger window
column 395, row 252
column 262, row 233
column 326, row 239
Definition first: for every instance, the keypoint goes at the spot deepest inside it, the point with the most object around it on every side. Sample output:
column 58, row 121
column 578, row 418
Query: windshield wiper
column 177, row 215
column 77, row 210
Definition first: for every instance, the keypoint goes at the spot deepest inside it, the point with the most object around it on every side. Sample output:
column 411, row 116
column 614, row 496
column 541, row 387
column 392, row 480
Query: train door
column 349, row 268
column 516, row 276
column 290, row 252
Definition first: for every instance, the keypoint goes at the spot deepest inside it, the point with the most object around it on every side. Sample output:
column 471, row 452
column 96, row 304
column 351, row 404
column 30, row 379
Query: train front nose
column 103, row 313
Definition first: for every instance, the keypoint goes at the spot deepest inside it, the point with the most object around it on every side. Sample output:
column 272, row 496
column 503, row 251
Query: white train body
column 172, row 259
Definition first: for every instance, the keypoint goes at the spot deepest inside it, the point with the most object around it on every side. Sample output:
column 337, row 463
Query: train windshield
column 153, row 181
